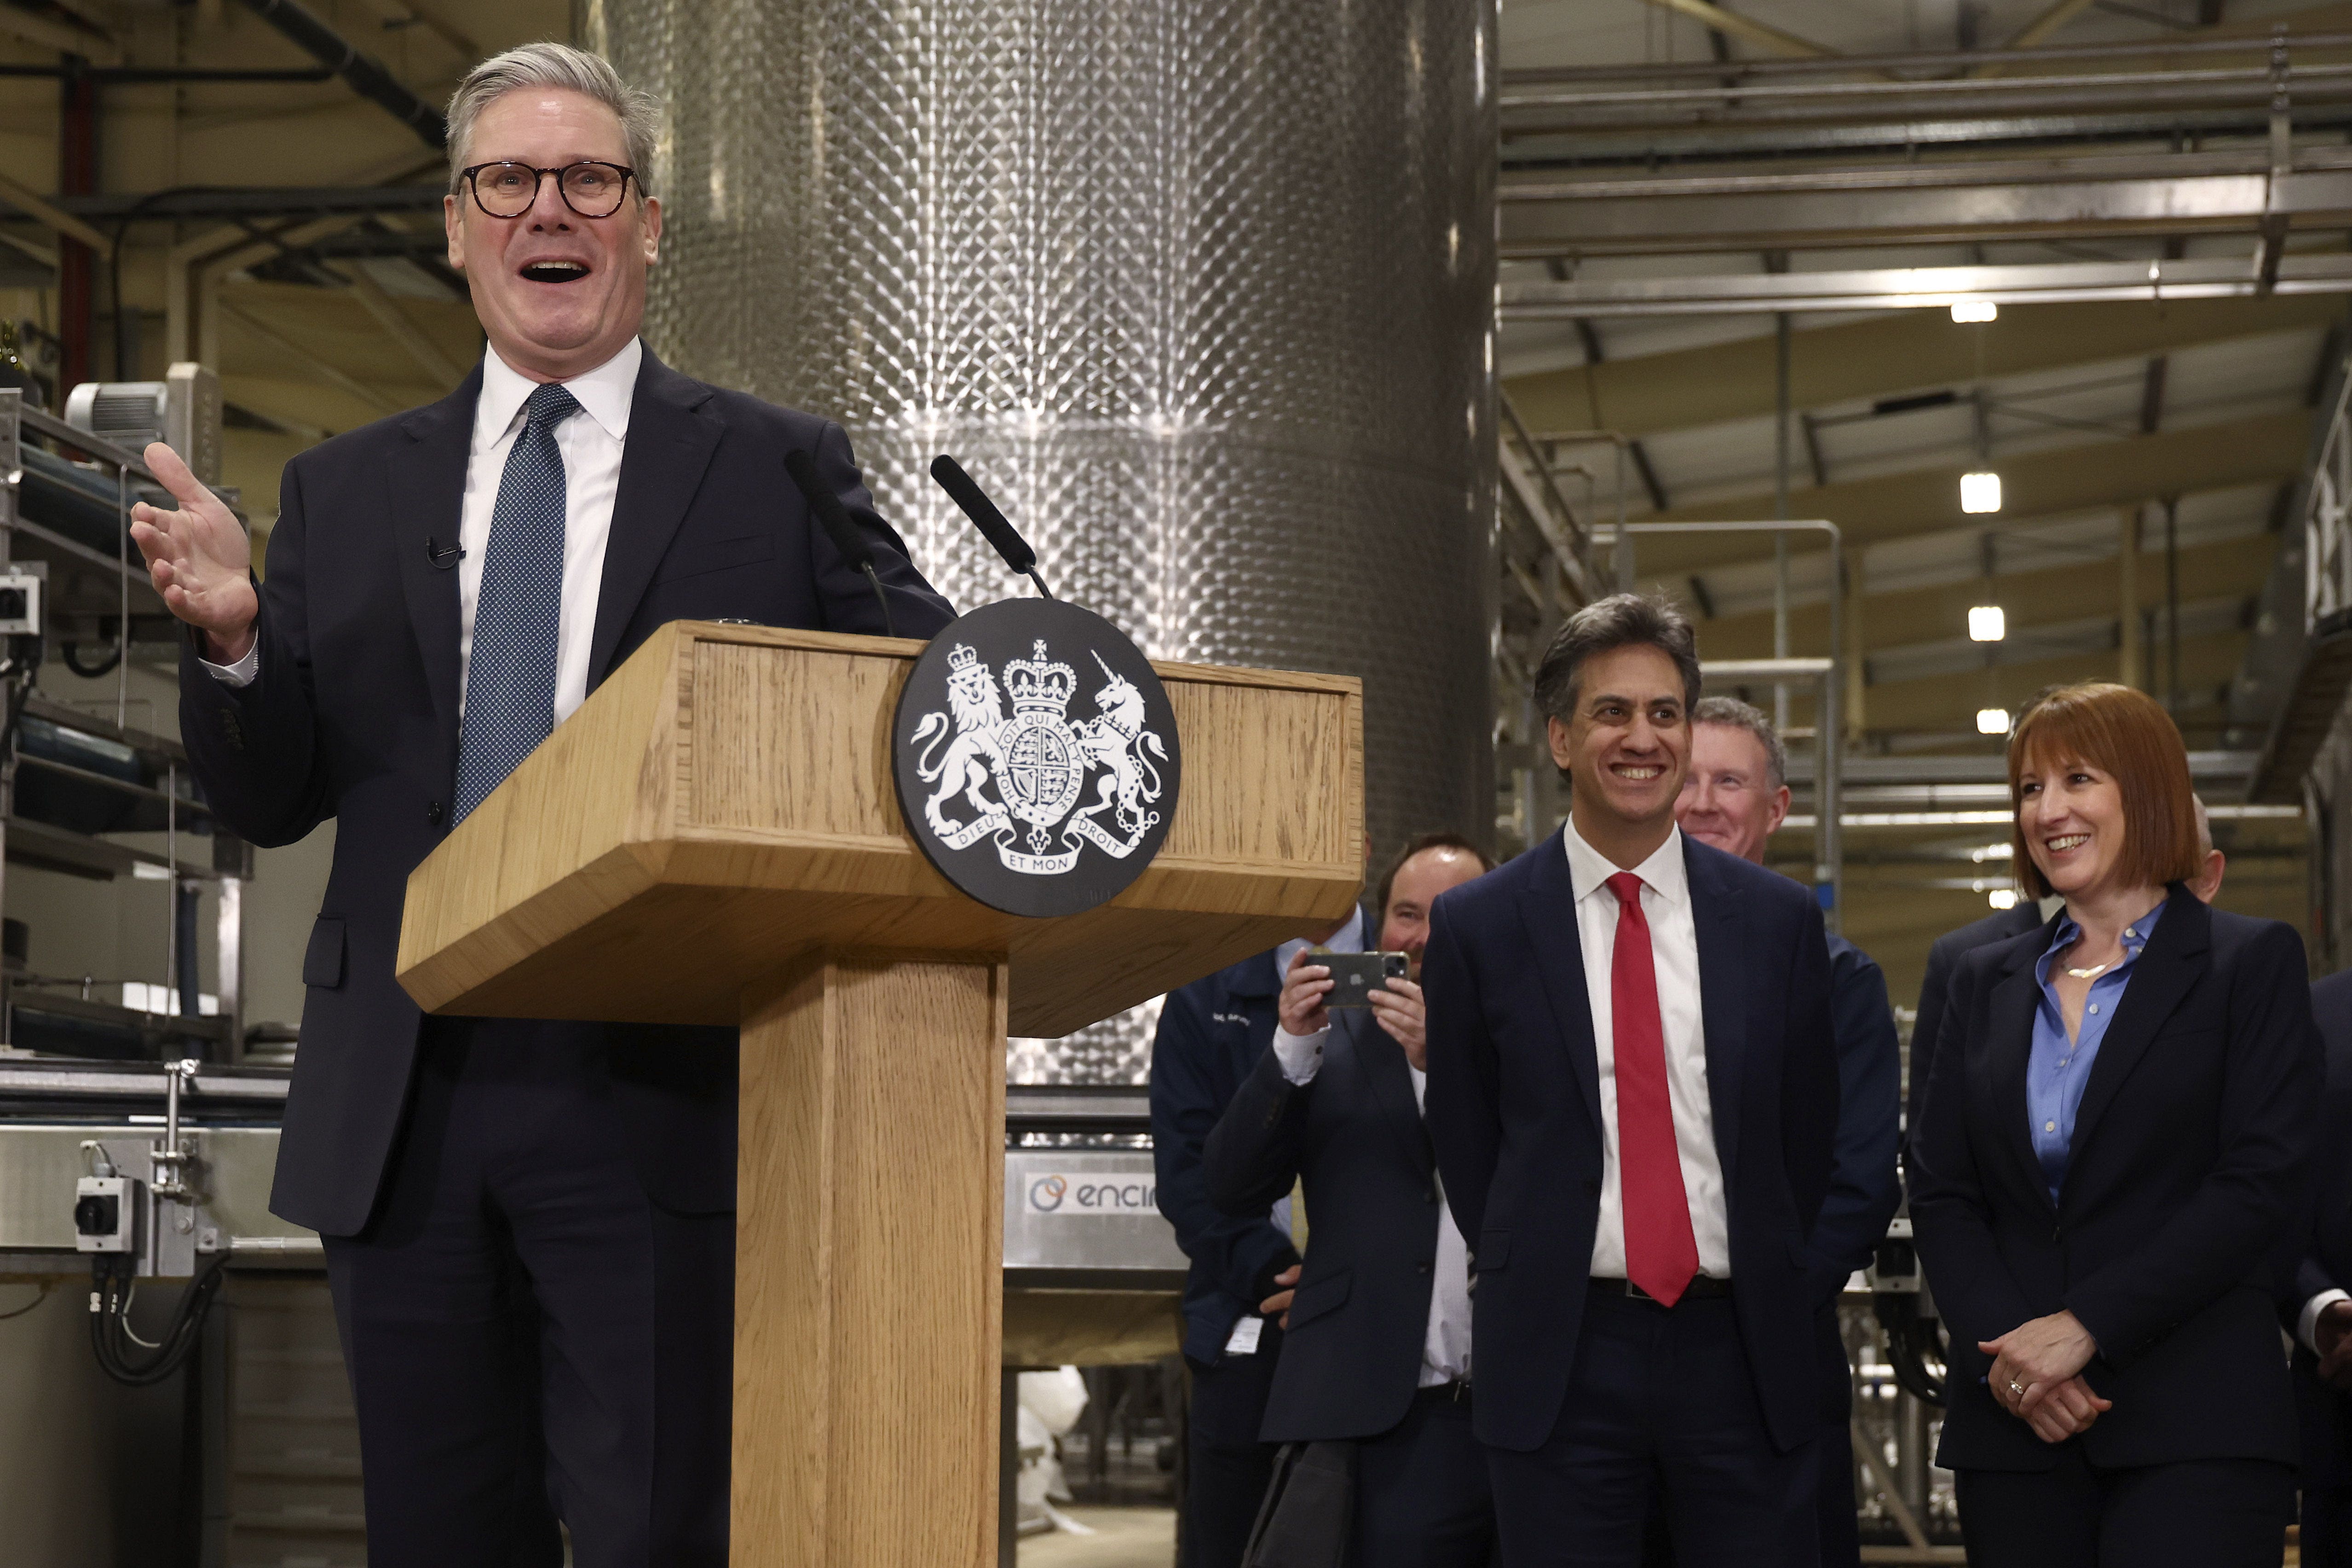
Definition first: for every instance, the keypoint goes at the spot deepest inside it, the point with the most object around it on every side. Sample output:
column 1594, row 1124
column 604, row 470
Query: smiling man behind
column 1633, row 1096
column 1734, row 797
column 529, row 1224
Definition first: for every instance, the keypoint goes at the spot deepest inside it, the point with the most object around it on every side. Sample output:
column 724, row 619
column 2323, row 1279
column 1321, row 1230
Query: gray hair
column 1733, row 714
column 1620, row 620
column 548, row 64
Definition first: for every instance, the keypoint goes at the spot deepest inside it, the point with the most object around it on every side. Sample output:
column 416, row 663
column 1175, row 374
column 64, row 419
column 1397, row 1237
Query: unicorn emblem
column 1117, row 740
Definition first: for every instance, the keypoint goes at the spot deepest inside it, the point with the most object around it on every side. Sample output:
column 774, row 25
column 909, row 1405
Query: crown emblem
column 1040, row 685
column 961, row 660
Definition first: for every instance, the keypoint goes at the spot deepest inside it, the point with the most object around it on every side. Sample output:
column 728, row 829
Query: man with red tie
column 1634, row 1098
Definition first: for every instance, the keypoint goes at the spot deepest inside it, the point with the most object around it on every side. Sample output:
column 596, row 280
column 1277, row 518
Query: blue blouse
column 2058, row 1069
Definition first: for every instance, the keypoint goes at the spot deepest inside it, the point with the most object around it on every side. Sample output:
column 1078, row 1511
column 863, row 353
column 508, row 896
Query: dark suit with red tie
column 1591, row 1401
column 526, row 1222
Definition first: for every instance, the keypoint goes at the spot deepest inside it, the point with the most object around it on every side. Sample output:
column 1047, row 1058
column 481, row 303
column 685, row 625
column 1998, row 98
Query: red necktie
column 1660, row 1254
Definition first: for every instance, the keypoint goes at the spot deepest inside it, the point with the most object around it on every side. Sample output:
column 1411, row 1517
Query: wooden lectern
column 715, row 838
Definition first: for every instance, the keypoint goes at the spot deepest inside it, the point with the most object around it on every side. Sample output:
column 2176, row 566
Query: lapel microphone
column 443, row 556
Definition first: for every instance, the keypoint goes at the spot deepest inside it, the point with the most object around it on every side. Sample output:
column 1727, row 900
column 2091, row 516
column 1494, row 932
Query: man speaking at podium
column 529, row 1224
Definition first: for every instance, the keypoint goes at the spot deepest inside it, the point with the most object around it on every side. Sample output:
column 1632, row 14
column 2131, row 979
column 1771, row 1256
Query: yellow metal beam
column 47, row 33
column 2054, row 482
column 1891, row 619
column 308, row 360
column 2040, row 30
column 1761, row 34
column 403, row 331
column 1691, row 389
column 38, row 207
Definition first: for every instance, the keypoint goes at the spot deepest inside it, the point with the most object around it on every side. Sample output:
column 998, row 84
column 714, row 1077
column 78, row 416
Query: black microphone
column 443, row 556
column 848, row 540
column 987, row 518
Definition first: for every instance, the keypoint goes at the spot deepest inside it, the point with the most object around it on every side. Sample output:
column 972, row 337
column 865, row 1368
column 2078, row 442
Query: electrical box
column 183, row 411
column 106, row 1213
column 21, row 586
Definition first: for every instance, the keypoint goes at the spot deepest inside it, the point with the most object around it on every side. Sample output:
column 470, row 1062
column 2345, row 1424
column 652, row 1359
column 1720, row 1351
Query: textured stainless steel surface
column 1201, row 290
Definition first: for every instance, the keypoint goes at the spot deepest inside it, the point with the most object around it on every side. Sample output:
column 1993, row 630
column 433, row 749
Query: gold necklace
column 2093, row 972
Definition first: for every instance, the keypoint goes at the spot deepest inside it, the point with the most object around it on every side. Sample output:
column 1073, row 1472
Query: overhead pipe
column 365, row 75
column 1929, row 62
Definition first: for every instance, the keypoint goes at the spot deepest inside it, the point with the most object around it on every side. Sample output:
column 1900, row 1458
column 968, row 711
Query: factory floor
column 1123, row 1537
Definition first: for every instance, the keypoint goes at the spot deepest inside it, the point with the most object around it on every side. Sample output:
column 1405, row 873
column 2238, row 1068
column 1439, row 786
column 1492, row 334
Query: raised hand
column 198, row 558
column 1399, row 1009
column 1300, row 1004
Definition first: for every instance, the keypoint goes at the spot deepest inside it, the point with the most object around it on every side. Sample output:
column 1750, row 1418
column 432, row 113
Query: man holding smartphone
column 1376, row 1321
column 1210, row 1034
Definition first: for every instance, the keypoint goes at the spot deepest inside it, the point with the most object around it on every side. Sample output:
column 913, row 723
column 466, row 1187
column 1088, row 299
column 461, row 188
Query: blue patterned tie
column 510, row 676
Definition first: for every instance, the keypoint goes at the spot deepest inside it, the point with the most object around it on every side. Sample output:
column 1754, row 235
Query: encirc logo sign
column 1047, row 1192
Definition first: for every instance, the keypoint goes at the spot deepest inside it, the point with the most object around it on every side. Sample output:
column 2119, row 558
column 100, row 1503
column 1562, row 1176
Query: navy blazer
column 2185, row 1173
column 353, row 716
column 1211, row 1033
column 1514, row 1109
column 2322, row 1259
column 1865, row 1191
column 1351, row 1355
column 1935, row 988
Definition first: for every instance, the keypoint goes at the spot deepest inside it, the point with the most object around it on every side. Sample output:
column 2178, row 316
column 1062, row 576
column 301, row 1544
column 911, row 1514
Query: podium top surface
column 724, row 804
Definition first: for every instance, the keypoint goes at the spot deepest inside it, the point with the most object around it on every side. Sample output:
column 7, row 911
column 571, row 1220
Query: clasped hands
column 2037, row 1376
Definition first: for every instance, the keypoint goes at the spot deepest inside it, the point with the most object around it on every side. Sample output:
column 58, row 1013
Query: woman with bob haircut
column 2111, row 1147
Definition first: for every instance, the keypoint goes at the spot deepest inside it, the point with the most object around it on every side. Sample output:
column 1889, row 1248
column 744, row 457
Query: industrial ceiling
column 2155, row 198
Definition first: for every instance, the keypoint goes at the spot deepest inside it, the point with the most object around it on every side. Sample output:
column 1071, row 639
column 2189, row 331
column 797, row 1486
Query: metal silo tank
column 1201, row 290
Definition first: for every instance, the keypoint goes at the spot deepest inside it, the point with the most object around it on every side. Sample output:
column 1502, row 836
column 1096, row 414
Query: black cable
column 1915, row 1351
column 24, row 660
column 107, row 1326
column 71, row 654
column 889, row 626
column 40, row 1294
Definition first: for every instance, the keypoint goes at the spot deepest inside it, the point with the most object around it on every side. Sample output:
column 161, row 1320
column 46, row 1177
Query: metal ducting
column 1202, row 291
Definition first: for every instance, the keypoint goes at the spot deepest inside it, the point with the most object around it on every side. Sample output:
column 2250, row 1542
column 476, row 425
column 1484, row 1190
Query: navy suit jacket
column 353, row 716
column 1864, row 1190
column 2185, row 1173
column 1935, row 988
column 1351, row 1355
column 2322, row 1257
column 1514, row 1107
column 1211, row 1034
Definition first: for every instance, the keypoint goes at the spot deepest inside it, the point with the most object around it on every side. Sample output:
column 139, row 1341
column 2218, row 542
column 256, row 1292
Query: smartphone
column 1356, row 975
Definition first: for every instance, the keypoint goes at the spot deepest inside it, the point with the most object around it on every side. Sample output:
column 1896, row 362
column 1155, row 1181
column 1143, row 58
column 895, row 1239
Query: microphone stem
column 889, row 626
column 1048, row 593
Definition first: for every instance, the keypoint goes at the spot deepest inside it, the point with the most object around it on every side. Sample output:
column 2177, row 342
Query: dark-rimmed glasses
column 588, row 187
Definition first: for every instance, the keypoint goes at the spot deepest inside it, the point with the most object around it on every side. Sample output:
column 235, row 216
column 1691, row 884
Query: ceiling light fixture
column 1970, row 311
column 1992, row 721
column 1980, row 491
column 2003, row 898
column 1987, row 622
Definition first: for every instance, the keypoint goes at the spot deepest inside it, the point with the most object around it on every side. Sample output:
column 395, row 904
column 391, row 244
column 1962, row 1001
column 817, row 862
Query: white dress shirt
column 1673, row 949
column 2306, row 1327
column 1445, row 1345
column 592, row 443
